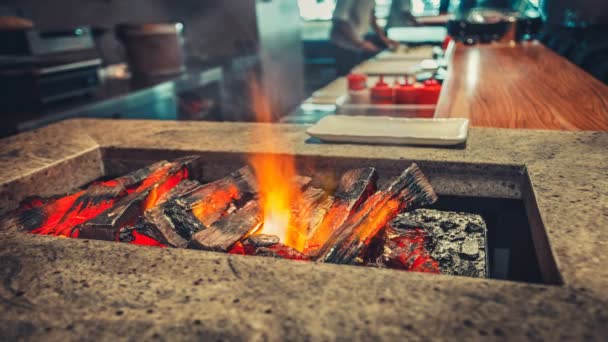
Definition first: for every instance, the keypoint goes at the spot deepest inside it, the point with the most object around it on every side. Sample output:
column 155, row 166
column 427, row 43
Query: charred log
column 354, row 188
column 175, row 221
column 280, row 251
column 59, row 215
column 305, row 214
column 261, row 240
column 166, row 222
column 127, row 210
column 411, row 189
column 223, row 234
column 107, row 225
column 268, row 246
column 403, row 249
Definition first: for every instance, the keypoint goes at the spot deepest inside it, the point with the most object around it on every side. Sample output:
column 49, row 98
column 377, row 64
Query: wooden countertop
column 521, row 86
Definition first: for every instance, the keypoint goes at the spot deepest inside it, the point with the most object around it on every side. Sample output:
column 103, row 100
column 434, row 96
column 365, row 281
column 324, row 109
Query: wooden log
column 107, row 225
column 59, row 215
column 126, row 211
column 156, row 214
column 174, row 222
column 305, row 214
column 223, row 234
column 211, row 201
column 261, row 240
column 268, row 246
column 280, row 251
column 411, row 189
column 354, row 188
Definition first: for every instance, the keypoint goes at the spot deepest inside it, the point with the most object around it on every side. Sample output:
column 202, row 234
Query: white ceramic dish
column 344, row 106
column 390, row 130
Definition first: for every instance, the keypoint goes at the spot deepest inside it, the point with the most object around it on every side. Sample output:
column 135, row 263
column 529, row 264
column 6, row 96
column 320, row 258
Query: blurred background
column 193, row 60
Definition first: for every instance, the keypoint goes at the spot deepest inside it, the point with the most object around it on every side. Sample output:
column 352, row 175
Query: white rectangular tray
column 389, row 130
column 344, row 106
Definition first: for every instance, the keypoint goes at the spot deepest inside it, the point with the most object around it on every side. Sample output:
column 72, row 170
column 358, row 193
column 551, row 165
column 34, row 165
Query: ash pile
column 458, row 241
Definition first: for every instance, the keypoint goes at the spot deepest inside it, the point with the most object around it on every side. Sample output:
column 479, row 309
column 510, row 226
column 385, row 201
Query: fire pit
column 249, row 212
column 542, row 206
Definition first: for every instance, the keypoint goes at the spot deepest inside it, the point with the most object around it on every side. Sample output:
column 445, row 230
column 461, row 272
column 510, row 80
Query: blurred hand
column 369, row 47
column 392, row 44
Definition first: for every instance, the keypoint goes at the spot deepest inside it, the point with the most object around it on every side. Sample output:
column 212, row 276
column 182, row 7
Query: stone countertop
column 57, row 288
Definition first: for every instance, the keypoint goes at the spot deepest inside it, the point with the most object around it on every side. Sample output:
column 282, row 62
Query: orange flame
column 275, row 175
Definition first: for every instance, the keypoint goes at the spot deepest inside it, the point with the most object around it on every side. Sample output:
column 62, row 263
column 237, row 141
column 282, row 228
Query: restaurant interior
column 307, row 170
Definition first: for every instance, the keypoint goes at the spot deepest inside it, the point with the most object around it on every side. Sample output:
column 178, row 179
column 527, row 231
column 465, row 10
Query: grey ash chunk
column 459, row 239
column 470, row 249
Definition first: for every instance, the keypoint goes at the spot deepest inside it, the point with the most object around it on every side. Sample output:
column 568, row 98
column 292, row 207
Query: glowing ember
column 270, row 211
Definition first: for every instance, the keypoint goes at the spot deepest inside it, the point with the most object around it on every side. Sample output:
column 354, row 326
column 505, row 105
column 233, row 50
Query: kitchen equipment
column 388, row 130
column 29, row 84
column 33, row 42
column 153, row 49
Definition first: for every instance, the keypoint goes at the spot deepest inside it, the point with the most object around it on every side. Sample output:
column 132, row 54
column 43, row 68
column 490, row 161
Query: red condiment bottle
column 356, row 81
column 429, row 92
column 406, row 93
column 382, row 93
column 357, row 88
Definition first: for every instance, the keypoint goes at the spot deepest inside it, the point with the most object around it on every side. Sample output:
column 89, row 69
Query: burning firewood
column 261, row 240
column 127, row 210
column 139, row 234
column 354, row 188
column 106, row 225
column 61, row 214
column 174, row 222
column 280, row 251
column 411, row 189
column 223, row 234
column 306, row 213
column 268, row 246
column 405, row 248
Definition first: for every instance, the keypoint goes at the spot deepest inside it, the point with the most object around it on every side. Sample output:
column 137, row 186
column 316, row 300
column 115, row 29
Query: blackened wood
column 60, row 215
column 280, row 251
column 107, row 225
column 411, row 189
column 354, row 188
column 174, row 222
column 268, row 246
column 226, row 232
column 261, row 240
column 211, row 201
column 183, row 188
column 129, row 209
column 164, row 229
column 409, row 250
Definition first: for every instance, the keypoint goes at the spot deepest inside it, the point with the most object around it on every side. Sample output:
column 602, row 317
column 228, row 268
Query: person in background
column 401, row 14
column 352, row 20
